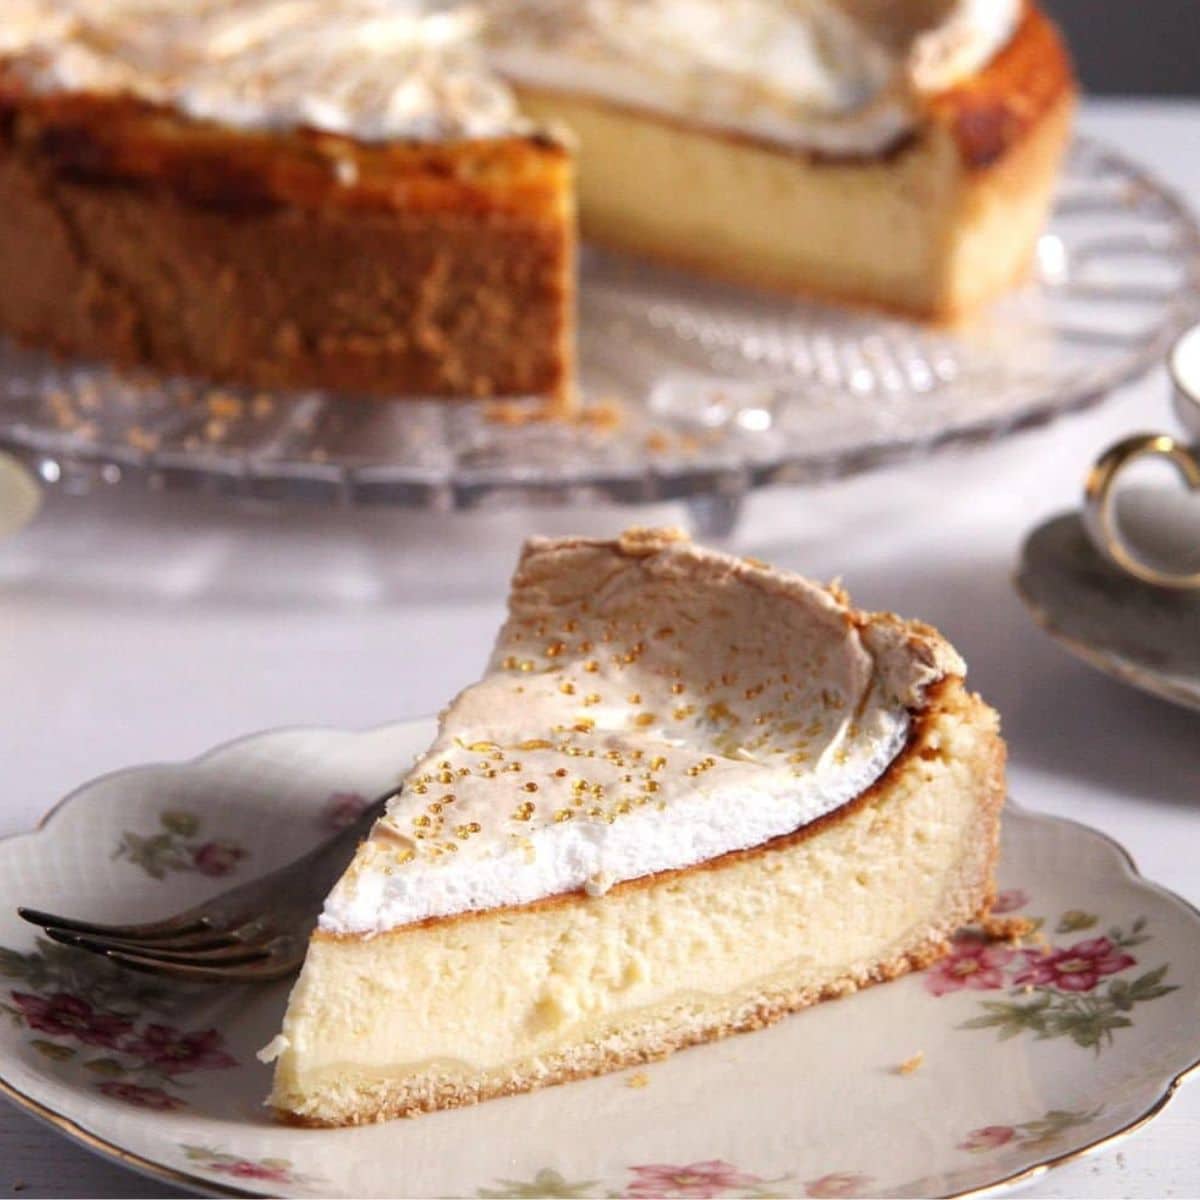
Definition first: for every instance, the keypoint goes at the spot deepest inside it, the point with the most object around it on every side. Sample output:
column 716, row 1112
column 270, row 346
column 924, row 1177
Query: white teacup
column 1154, row 533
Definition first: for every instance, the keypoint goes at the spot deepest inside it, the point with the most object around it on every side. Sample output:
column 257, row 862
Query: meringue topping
column 649, row 705
column 835, row 76
column 370, row 69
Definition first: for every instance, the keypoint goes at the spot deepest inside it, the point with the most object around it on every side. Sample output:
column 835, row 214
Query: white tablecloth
column 137, row 628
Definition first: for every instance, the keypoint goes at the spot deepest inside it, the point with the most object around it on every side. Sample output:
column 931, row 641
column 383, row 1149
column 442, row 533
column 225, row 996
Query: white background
column 134, row 629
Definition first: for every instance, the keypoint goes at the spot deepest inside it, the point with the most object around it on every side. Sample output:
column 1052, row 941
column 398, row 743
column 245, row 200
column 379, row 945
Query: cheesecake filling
column 649, row 706
column 834, row 77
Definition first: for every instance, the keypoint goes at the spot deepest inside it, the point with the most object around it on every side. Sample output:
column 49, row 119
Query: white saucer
column 1142, row 635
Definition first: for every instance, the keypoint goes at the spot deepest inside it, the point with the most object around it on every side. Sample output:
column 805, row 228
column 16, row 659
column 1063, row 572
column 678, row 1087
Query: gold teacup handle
column 1100, row 496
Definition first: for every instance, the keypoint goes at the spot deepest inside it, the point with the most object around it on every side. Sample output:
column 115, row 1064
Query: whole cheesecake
column 690, row 795
column 379, row 196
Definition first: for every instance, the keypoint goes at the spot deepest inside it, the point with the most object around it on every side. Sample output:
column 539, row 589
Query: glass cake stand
column 692, row 391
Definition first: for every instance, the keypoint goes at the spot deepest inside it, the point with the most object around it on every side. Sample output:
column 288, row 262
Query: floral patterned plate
column 997, row 1063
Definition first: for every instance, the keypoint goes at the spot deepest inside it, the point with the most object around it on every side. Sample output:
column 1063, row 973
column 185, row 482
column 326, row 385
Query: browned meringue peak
column 649, row 705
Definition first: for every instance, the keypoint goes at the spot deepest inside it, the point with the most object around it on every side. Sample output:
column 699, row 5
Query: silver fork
column 255, row 932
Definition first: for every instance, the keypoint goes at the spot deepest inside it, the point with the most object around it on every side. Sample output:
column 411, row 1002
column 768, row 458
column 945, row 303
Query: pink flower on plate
column 839, row 1183
column 700, row 1179
column 217, row 858
column 342, row 809
column 65, row 1015
column 988, row 1138
column 1010, row 901
column 141, row 1097
column 174, row 1052
column 1076, row 968
column 972, row 963
column 243, row 1168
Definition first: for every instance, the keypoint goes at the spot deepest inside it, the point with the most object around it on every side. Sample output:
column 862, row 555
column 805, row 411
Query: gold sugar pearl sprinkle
column 567, row 688
column 564, row 814
column 644, row 719
column 422, row 822
column 529, row 787
column 635, row 698
column 555, row 649
column 561, row 773
column 523, row 811
column 591, row 666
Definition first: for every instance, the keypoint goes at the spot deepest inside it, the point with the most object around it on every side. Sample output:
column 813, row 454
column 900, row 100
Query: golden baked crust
column 295, row 259
column 967, row 896
column 996, row 109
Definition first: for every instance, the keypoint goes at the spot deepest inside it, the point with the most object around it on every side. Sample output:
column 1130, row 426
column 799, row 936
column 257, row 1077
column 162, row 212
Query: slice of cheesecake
column 690, row 795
